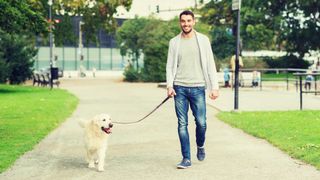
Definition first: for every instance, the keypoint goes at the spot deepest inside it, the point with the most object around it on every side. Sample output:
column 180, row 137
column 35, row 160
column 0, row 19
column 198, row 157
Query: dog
column 97, row 130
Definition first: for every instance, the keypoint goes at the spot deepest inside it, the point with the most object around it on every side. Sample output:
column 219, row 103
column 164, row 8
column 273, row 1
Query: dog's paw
column 100, row 169
column 91, row 165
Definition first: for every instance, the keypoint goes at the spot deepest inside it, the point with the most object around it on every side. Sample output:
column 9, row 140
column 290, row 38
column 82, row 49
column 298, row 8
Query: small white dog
column 97, row 131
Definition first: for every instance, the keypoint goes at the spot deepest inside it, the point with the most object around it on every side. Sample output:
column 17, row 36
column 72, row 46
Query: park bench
column 44, row 79
column 245, row 78
column 56, row 82
column 36, row 79
column 47, row 78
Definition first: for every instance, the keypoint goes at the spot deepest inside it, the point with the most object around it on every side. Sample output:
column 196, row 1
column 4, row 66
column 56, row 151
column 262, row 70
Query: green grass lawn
column 27, row 115
column 295, row 132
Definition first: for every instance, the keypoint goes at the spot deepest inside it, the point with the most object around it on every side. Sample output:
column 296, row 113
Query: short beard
column 187, row 32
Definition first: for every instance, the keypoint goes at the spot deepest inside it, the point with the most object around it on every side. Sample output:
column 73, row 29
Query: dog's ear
column 95, row 120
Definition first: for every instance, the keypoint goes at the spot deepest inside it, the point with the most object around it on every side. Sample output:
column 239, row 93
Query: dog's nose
column 110, row 125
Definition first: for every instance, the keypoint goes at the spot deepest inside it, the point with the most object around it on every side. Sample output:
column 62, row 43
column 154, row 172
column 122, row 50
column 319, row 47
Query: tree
column 18, row 23
column 150, row 37
column 63, row 31
column 19, row 18
column 3, row 69
column 223, row 42
column 257, row 29
column 96, row 14
column 154, row 40
column 16, row 58
column 127, row 39
column 270, row 24
column 301, row 26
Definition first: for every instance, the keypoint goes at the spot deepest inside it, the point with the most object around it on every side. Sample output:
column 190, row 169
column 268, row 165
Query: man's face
column 186, row 23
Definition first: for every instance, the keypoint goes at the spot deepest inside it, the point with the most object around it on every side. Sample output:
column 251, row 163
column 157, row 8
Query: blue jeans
column 195, row 97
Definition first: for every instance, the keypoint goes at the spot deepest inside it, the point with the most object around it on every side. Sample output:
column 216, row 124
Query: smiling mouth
column 106, row 130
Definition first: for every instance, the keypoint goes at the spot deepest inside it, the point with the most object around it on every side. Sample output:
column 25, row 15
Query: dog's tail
column 82, row 122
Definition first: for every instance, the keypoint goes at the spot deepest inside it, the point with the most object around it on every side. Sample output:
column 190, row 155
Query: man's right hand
column 170, row 92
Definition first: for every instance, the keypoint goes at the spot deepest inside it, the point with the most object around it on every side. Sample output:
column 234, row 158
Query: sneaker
column 185, row 163
column 201, row 154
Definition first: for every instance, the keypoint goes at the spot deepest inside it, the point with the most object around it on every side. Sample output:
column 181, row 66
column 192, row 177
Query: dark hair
column 186, row 12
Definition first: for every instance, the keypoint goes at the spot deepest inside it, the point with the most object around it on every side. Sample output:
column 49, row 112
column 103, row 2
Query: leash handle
column 133, row 122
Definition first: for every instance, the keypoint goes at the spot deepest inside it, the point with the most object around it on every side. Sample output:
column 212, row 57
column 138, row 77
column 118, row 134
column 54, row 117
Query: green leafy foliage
column 19, row 17
column 16, row 58
column 225, row 49
column 290, row 61
column 131, row 74
column 127, row 37
column 19, row 23
column 150, row 37
column 95, row 16
column 154, row 40
column 257, row 30
column 300, row 25
column 3, row 69
column 288, row 25
column 63, row 32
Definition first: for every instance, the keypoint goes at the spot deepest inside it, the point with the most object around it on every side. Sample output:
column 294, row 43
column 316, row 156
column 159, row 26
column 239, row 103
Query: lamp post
column 51, row 41
column 80, row 51
column 87, row 4
column 80, row 39
column 236, row 4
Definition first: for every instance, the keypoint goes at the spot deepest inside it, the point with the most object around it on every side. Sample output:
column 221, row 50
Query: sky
column 144, row 8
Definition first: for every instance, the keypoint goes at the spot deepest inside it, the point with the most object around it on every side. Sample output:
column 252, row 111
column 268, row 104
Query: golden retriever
column 97, row 131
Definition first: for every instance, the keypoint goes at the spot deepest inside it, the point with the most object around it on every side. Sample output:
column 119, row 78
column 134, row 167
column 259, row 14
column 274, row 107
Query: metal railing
column 288, row 79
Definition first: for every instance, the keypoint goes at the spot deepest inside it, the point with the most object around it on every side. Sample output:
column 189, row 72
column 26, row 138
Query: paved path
column 150, row 150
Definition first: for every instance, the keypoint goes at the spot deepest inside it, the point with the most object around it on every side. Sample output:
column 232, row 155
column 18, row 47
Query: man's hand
column 214, row 94
column 170, row 92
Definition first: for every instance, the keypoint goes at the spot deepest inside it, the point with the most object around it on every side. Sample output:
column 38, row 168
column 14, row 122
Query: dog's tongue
column 107, row 130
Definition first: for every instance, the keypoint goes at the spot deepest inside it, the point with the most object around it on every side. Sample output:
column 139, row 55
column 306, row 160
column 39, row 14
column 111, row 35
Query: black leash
column 166, row 99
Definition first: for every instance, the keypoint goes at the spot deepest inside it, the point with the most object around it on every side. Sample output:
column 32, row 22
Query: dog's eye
column 103, row 119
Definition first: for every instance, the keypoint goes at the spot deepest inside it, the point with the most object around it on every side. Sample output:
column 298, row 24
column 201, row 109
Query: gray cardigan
column 206, row 56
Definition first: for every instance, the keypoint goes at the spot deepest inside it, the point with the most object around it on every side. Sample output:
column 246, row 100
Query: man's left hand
column 214, row 94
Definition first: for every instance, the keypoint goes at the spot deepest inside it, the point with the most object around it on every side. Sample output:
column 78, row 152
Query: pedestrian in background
column 233, row 69
column 226, row 77
column 308, row 81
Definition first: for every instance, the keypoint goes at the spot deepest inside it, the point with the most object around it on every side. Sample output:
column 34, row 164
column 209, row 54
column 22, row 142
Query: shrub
column 155, row 41
column 16, row 58
column 3, row 70
column 290, row 61
column 131, row 74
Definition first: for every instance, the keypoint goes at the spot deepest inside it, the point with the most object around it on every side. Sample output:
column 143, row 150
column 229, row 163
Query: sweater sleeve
column 169, row 66
column 212, row 71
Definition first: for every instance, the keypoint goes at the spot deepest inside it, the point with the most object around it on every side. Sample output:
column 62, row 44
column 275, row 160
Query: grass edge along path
column 27, row 115
column 295, row 132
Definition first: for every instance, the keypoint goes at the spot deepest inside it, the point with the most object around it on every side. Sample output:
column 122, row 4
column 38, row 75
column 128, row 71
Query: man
column 233, row 69
column 190, row 69
column 233, row 62
column 308, row 81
